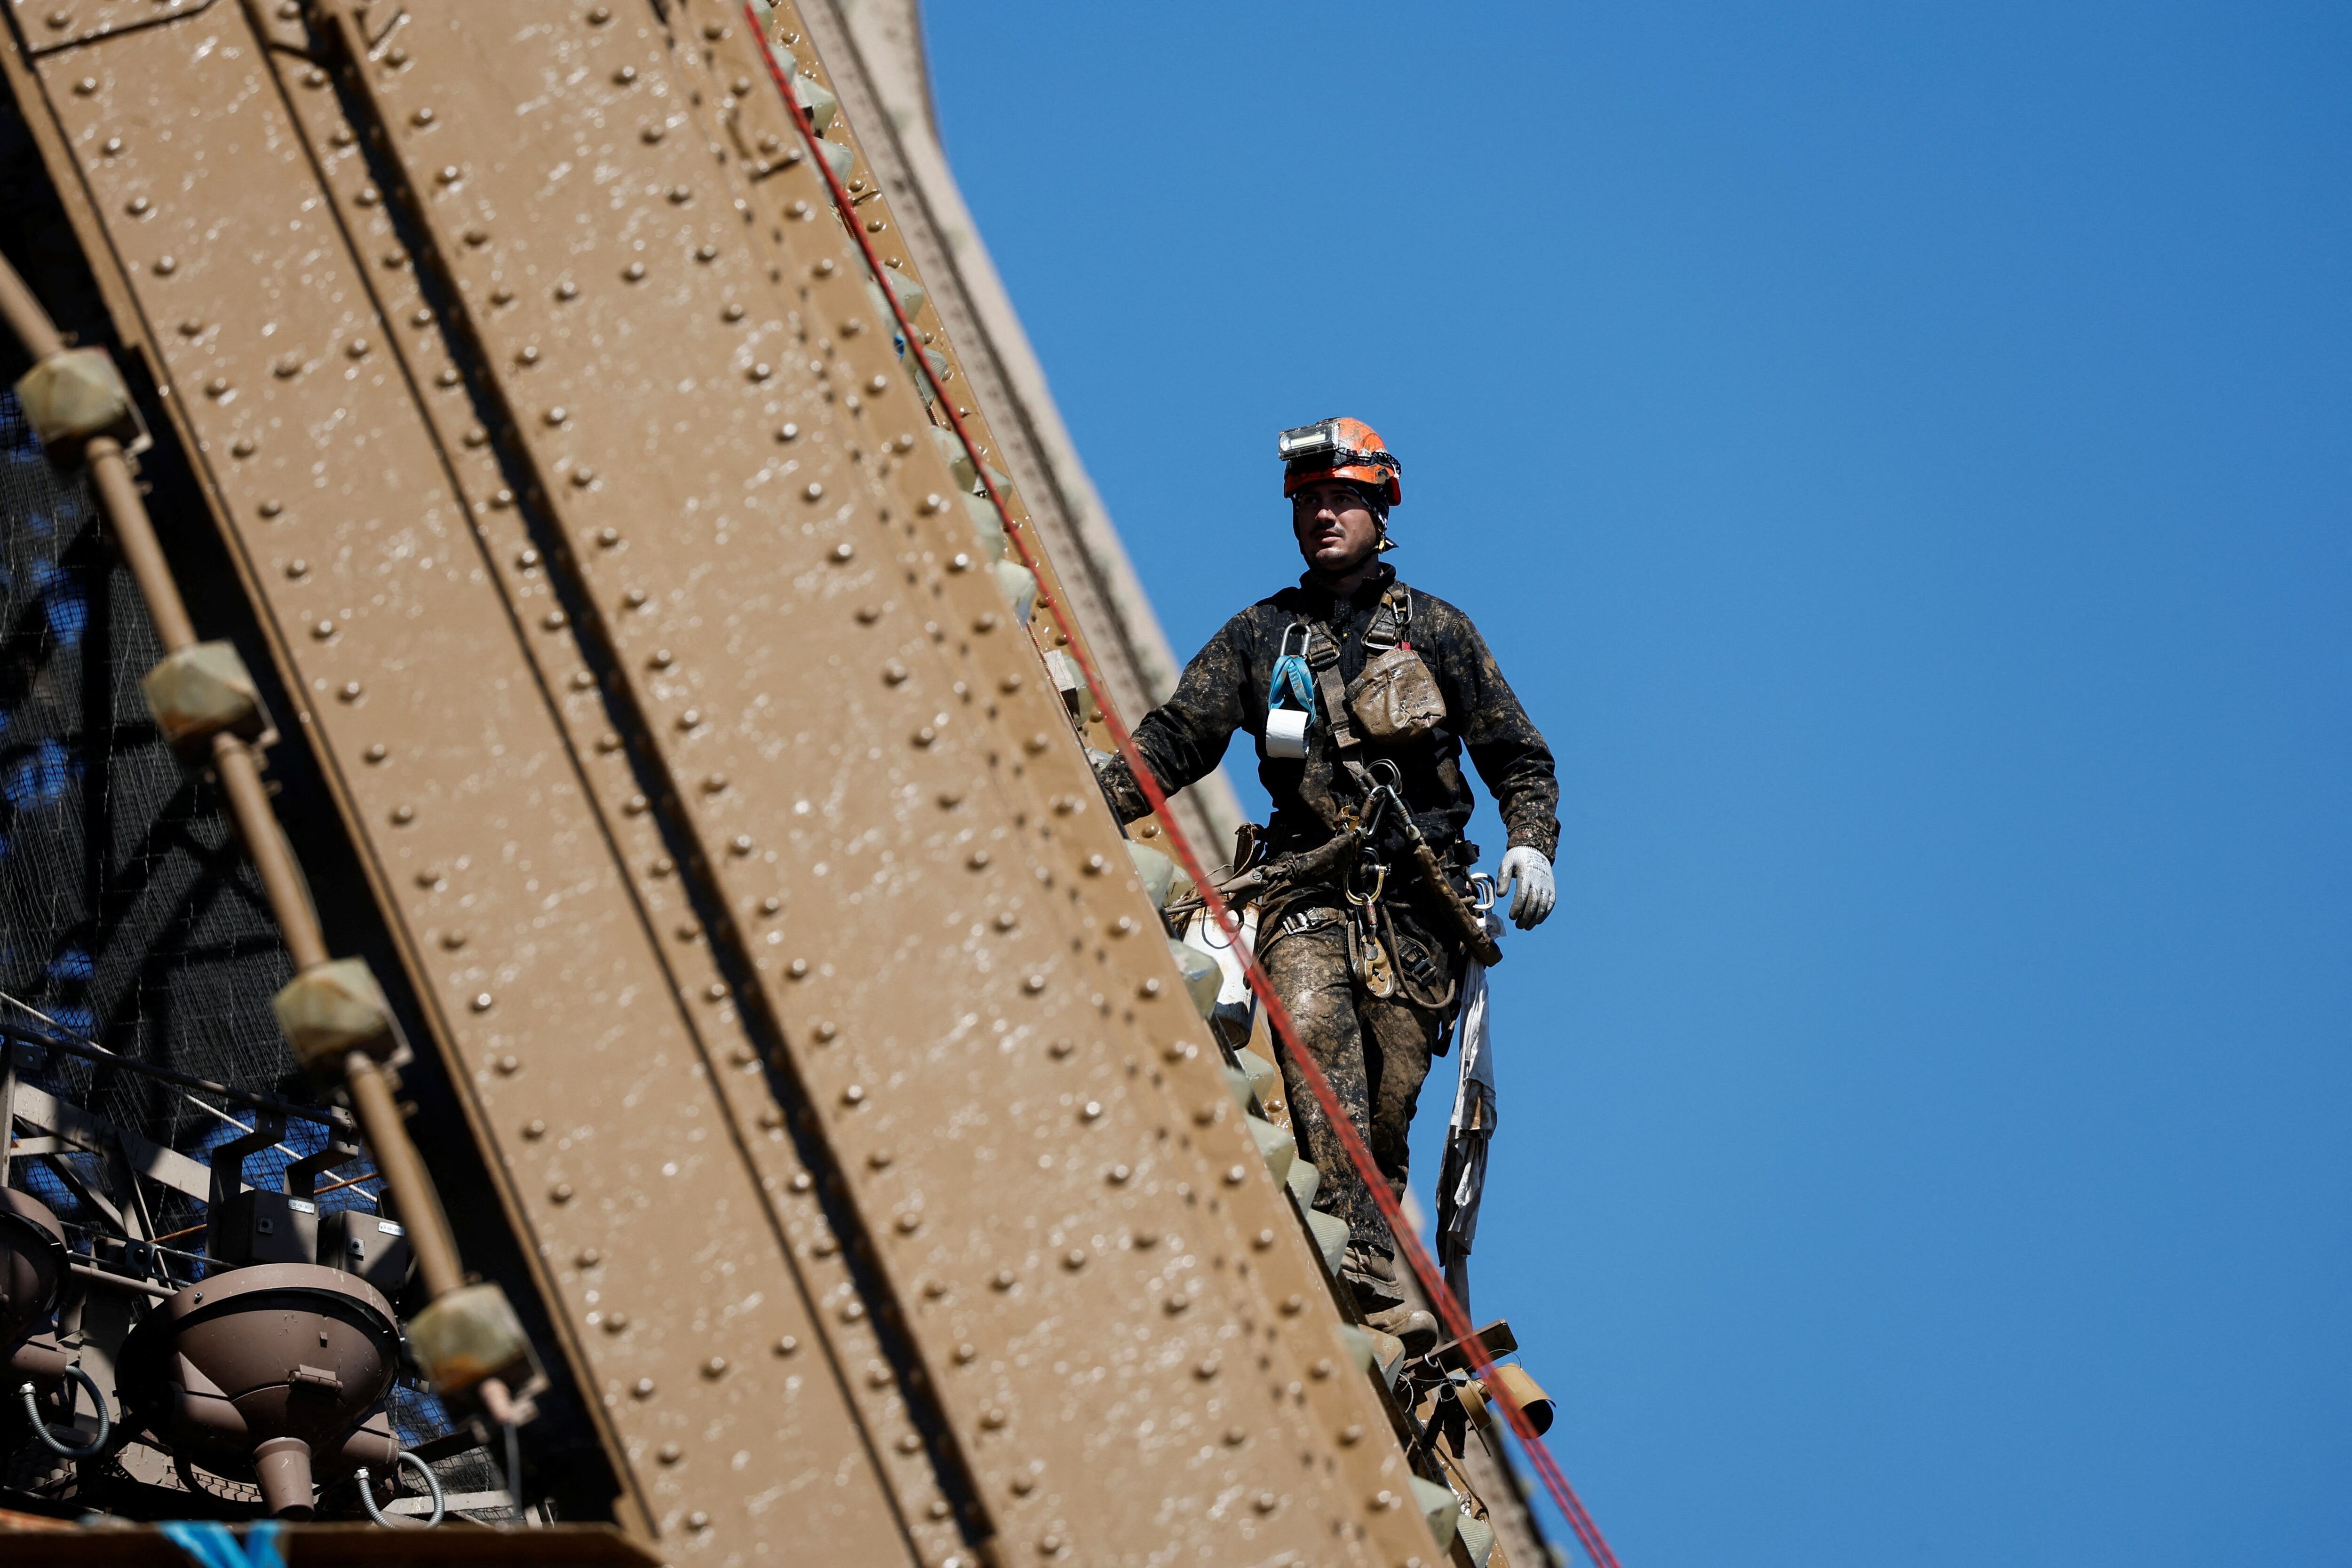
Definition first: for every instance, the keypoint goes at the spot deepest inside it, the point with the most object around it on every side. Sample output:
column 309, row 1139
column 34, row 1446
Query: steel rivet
column 376, row 753
column 589, row 1257
column 1119, row 1175
column 217, row 387
column 843, row 550
column 959, row 563
column 482, row 1001
column 879, row 1159
column 635, row 599
column 1047, row 1545
column 797, row 970
column 557, row 415
column 645, row 1388
column 670, row 1453
column 598, row 15
column 1178, row 1303
column 978, row 859
column 166, row 264
column 1321, row 1369
column 1236, row 1175
column 349, row 691
column 771, row 1118
column 510, row 1064
column 715, row 1367
column 771, row 904
column 635, row 271
column 1003, row 1280
column 583, row 680
column 1006, row 920
column 1074, row 1258
column 1150, row 987
column 1267, row 1502
column 474, row 435
column 1293, row 1305
column 556, row 620
column 1262, row 1239
column 112, row 147
column 431, row 876
column 788, row 432
column 1179, row 1051
column 950, row 798
column 715, row 990
column 618, row 1322
column 681, row 193
column 893, row 673
column 607, row 538
column 396, row 58
column 567, row 289
column 815, row 492
column 357, row 348
column 652, row 133
column 1092, row 1111
column 690, row 718
column 422, row 117
column 1235, row 1436
column 662, row 660
column 964, row 1354
column 991, row 1419
column 741, row 844
column 1060, row 1049
column 1022, row 1485
column 706, row 253
column 713, row 785
column 853, row 1095
column 910, row 1444
column 404, row 814
column 561, row 1193
column 501, row 295
column 478, row 235
column 136, row 206
column 853, row 1311
column 824, row 267
column 1146, row 1239
column 1206, row 1370
column 527, row 355
column 1033, row 984
column 608, row 741
column 878, row 384
column 367, row 195
column 535, row 1130
column 909, row 1223
column 925, row 736
column 449, row 174
column 868, row 613
column 802, row 1181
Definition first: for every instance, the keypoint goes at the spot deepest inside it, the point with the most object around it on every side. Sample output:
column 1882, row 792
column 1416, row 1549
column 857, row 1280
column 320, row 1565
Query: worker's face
column 1337, row 532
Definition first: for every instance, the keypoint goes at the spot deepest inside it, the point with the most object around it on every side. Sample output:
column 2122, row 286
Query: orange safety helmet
column 1344, row 449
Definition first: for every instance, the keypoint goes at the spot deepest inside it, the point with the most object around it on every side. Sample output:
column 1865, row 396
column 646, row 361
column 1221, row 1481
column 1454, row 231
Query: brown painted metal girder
column 744, row 867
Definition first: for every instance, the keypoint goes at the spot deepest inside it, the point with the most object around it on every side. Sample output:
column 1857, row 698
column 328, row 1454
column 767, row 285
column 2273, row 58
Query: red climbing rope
column 1449, row 1311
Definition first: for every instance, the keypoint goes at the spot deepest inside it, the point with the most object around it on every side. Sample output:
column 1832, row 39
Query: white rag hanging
column 1462, row 1179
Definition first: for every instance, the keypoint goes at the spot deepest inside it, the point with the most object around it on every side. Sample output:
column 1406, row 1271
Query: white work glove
column 1529, row 868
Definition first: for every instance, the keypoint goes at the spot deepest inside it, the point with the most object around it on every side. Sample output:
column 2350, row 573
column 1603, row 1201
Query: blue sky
column 1900, row 455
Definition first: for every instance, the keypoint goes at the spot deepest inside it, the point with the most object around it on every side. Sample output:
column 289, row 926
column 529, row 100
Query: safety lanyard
column 1292, row 679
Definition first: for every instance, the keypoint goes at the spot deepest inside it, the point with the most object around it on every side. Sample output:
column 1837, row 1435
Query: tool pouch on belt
column 1396, row 698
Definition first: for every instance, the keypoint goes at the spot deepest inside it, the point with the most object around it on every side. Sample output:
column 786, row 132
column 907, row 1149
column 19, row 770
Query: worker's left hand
column 1532, row 902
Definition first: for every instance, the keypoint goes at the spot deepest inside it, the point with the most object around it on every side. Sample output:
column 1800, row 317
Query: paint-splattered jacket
column 1225, row 689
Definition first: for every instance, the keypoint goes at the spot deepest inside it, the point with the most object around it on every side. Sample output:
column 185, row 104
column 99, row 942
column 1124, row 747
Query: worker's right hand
column 1532, row 873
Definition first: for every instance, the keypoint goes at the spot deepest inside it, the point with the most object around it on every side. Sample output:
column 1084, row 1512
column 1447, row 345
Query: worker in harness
column 1363, row 694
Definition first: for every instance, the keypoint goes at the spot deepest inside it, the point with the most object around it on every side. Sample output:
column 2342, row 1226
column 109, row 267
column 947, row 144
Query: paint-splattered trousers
column 1376, row 1051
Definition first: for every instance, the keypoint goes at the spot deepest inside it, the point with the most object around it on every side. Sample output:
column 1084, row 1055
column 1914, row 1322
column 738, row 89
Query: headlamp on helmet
column 1346, row 450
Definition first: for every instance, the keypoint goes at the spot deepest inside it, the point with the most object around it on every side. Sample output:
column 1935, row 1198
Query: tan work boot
column 1416, row 1326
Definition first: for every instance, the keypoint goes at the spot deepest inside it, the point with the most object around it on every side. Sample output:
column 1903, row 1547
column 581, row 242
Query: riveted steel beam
column 271, row 317
column 816, row 1032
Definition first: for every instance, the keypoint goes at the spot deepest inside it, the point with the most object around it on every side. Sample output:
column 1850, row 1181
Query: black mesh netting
column 129, row 917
